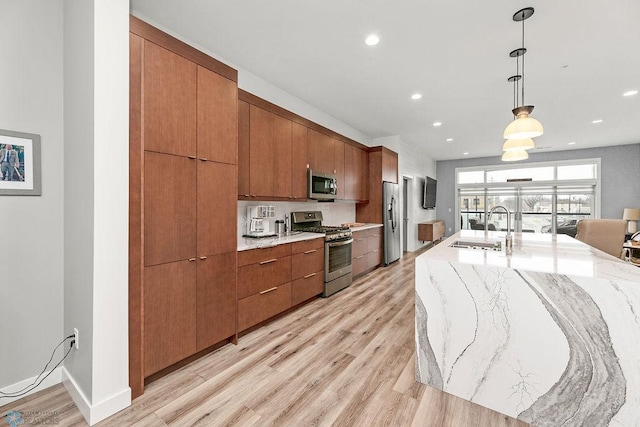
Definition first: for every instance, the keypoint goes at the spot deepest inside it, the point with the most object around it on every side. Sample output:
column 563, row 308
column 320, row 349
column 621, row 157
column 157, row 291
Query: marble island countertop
column 549, row 335
column 541, row 252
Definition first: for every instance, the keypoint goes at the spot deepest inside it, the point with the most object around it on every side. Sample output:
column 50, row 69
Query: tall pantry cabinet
column 183, row 202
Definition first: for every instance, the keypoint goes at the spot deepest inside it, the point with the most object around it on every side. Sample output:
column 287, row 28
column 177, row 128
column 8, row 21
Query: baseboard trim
column 98, row 412
column 54, row 378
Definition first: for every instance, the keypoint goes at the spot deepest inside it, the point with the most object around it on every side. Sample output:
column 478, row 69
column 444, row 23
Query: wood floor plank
column 347, row 360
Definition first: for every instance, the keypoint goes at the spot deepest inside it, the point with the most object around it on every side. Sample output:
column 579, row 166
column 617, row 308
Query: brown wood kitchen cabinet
column 264, row 284
column 307, row 270
column 267, row 155
column 383, row 166
column 169, row 88
column 261, row 152
column 355, row 173
column 282, row 157
column 338, row 165
column 321, row 152
column 183, row 202
column 366, row 252
column 299, row 162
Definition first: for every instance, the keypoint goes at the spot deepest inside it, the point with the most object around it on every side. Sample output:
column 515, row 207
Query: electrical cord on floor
column 35, row 382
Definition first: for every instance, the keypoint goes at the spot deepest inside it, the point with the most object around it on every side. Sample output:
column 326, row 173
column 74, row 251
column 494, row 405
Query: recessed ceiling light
column 416, row 96
column 572, row 143
column 372, row 40
column 466, row 153
column 436, row 124
column 630, row 93
column 596, row 121
column 449, row 139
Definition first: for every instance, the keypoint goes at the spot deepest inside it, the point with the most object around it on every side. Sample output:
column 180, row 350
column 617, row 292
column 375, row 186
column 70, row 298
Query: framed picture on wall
column 19, row 164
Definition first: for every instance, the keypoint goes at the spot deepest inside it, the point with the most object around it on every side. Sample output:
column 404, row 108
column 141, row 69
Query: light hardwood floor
column 347, row 360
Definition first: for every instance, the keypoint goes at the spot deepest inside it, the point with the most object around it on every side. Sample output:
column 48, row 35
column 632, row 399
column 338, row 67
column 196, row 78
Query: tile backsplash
column 333, row 213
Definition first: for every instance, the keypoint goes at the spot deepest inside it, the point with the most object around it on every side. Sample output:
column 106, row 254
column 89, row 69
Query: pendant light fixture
column 515, row 155
column 517, row 144
column 523, row 126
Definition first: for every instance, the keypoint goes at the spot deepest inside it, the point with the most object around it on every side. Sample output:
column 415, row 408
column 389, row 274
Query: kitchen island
column 549, row 334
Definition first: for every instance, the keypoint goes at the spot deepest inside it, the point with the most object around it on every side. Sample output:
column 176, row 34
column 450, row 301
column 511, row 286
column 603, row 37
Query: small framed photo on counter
column 19, row 164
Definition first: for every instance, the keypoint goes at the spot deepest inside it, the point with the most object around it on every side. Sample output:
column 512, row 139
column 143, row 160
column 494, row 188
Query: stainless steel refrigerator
column 390, row 206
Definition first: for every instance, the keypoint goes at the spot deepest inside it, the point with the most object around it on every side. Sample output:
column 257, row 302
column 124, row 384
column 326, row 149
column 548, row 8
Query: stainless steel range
column 337, row 249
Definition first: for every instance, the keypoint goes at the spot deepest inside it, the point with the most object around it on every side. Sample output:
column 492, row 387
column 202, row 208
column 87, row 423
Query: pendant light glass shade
column 523, row 127
column 518, row 144
column 513, row 156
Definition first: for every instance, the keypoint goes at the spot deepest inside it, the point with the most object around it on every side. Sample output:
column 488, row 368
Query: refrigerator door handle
column 392, row 213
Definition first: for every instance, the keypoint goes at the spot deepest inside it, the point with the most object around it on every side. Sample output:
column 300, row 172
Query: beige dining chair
column 604, row 234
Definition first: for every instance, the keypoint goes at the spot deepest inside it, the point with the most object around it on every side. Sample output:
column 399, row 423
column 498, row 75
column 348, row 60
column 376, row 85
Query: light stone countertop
column 247, row 243
column 549, row 335
column 365, row 227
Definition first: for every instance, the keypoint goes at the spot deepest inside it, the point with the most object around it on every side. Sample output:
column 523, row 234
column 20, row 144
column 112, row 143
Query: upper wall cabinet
column 217, row 128
column 276, row 149
column 355, row 173
column 169, row 102
column 299, row 161
column 282, row 157
column 321, row 152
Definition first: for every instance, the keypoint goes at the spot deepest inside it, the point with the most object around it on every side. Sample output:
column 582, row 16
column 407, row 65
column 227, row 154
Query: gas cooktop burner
column 324, row 229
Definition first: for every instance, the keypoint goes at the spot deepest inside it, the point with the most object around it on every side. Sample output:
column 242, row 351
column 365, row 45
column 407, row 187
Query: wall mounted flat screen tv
column 429, row 199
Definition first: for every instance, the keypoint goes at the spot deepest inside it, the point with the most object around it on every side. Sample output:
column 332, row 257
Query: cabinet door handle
column 269, row 290
column 191, row 259
column 203, row 257
column 311, row 251
column 268, row 261
column 192, row 157
column 204, row 159
column 246, row 195
column 310, row 275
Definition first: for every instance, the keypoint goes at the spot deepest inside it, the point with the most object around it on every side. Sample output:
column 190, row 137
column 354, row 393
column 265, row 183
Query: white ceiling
column 582, row 55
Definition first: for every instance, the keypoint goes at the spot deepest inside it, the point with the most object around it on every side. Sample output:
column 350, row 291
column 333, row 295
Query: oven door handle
column 342, row 243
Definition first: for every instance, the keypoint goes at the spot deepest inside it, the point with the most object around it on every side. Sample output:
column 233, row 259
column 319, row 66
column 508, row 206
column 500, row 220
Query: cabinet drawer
column 306, row 263
column 307, row 245
column 256, row 308
column 254, row 256
column 374, row 259
column 359, row 247
column 307, row 287
column 374, row 242
column 256, row 278
column 359, row 265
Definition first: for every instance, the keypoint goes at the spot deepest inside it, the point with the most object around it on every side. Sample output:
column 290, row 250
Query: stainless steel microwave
column 322, row 186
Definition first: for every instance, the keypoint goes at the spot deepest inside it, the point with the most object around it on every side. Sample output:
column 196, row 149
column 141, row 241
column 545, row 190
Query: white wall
column 96, row 203
column 31, row 288
column 413, row 163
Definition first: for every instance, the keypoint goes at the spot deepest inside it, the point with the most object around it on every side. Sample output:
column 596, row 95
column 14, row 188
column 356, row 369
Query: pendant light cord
column 523, row 55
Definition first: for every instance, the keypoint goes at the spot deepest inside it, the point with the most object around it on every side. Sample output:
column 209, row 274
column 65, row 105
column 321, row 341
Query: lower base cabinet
column 366, row 253
column 216, row 299
column 188, row 306
column 169, row 327
column 306, row 287
column 263, row 305
column 271, row 280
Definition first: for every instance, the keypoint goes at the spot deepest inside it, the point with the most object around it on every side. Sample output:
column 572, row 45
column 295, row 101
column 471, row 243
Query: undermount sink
column 485, row 246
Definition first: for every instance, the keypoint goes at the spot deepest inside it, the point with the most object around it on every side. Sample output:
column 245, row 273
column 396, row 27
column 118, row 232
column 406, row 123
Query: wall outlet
column 449, row 229
column 77, row 338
